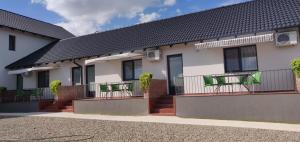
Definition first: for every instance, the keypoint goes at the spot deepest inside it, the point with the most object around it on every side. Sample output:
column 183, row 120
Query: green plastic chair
column 208, row 81
column 116, row 88
column 221, row 80
column 104, row 89
column 129, row 88
column 253, row 79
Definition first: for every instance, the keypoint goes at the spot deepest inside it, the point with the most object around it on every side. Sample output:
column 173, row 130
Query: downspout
column 81, row 70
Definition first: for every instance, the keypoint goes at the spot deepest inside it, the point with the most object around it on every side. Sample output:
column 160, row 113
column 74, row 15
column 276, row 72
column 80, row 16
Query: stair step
column 164, row 110
column 68, row 107
column 163, row 114
column 164, row 106
column 165, row 101
column 67, row 110
column 50, row 110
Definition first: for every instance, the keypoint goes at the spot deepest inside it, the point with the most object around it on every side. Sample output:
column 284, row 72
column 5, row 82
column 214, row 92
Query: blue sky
column 88, row 16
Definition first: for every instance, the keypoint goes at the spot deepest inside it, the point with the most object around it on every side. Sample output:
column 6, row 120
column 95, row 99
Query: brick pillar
column 158, row 88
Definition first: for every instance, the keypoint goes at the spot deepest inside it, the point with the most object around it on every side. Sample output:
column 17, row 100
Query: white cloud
column 144, row 18
column 169, row 2
column 87, row 16
column 231, row 2
column 178, row 11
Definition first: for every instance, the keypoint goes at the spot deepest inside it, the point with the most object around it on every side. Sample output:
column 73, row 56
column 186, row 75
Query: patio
column 232, row 84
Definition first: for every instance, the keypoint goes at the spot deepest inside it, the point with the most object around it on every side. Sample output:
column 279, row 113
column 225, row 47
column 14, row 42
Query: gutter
column 78, row 65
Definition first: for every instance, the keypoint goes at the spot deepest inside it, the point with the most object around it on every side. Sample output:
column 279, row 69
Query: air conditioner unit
column 153, row 55
column 286, row 38
column 26, row 74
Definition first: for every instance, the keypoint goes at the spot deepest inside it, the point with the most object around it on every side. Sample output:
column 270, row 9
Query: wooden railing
column 26, row 95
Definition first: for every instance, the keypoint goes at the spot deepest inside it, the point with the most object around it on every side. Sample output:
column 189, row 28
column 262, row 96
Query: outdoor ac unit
column 286, row 38
column 26, row 74
column 153, row 55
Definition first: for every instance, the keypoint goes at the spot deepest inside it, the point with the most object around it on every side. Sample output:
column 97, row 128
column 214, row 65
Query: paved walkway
column 169, row 119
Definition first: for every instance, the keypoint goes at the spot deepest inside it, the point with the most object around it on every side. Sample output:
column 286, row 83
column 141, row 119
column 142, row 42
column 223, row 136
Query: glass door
column 175, row 69
column 90, row 80
column 19, row 82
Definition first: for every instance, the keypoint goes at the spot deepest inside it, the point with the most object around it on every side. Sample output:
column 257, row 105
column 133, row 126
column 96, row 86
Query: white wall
column 30, row 82
column 194, row 62
column 25, row 44
column 62, row 73
column 110, row 71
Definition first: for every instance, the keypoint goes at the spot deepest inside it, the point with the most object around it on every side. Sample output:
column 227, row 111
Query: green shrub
column 54, row 86
column 295, row 65
column 145, row 80
column 2, row 90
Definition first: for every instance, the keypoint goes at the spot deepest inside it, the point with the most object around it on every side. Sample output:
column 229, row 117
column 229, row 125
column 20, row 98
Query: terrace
column 247, row 83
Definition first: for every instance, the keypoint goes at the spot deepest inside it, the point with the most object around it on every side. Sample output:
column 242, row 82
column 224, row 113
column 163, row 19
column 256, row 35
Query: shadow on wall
column 204, row 57
column 110, row 71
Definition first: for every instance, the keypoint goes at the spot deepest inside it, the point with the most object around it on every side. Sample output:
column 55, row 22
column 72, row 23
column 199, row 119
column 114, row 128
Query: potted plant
column 54, row 87
column 145, row 81
column 295, row 65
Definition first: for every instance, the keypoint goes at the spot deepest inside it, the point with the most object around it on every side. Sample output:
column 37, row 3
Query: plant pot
column 146, row 94
column 297, row 84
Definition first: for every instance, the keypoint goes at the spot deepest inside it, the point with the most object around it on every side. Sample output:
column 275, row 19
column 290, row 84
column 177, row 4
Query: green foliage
column 36, row 92
column 295, row 65
column 145, row 80
column 54, row 86
column 20, row 93
column 2, row 90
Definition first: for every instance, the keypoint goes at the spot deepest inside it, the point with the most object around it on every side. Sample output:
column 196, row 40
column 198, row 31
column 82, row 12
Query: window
column 132, row 69
column 43, row 79
column 240, row 59
column 76, row 76
column 12, row 43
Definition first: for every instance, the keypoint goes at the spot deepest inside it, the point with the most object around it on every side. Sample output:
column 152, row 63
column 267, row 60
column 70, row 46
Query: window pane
column 248, row 57
column 137, row 69
column 43, row 79
column 12, row 43
column 76, row 76
column 128, row 70
column 232, row 59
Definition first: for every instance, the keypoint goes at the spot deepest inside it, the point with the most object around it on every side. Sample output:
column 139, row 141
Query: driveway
column 69, row 129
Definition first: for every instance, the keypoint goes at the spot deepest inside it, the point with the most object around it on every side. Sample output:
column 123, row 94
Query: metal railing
column 271, row 81
column 94, row 91
column 27, row 95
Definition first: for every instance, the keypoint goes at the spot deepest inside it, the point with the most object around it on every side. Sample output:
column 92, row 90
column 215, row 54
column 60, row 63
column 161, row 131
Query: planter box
column 274, row 108
column 112, row 107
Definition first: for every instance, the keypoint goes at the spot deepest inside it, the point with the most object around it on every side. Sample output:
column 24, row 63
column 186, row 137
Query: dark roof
column 23, row 23
column 245, row 18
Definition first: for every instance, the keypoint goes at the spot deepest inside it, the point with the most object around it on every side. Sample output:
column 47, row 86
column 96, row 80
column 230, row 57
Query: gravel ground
column 61, row 129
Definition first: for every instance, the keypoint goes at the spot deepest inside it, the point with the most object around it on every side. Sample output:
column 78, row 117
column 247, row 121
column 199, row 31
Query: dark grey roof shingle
column 23, row 23
column 250, row 17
